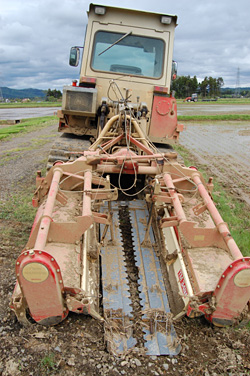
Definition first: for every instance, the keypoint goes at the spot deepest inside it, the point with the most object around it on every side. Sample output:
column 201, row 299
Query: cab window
column 132, row 55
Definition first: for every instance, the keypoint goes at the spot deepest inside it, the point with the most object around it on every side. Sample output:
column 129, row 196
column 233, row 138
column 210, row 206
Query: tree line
column 185, row 86
column 53, row 95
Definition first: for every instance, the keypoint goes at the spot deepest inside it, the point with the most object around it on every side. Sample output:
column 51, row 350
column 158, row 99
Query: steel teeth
column 116, row 297
column 159, row 336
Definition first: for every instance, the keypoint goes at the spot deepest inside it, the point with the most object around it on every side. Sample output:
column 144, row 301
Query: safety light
column 100, row 10
column 160, row 89
column 166, row 20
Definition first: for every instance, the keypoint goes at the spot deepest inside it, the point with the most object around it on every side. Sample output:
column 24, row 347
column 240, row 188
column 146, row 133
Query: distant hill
column 233, row 89
column 24, row 93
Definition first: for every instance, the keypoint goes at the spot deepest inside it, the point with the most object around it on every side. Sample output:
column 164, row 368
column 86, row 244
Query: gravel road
column 22, row 156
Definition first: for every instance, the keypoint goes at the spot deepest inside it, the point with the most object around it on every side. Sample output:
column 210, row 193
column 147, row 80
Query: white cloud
column 212, row 38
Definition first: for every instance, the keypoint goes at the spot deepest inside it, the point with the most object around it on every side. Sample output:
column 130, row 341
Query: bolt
column 52, row 259
column 218, row 286
column 60, row 281
column 25, row 254
column 243, row 260
column 58, row 270
column 68, row 300
column 21, row 314
column 18, row 263
column 223, row 276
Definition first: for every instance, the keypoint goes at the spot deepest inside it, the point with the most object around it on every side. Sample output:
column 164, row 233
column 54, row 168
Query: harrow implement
column 178, row 239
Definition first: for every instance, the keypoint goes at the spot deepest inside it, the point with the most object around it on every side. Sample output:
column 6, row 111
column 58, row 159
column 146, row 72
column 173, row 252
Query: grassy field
column 26, row 125
column 30, row 104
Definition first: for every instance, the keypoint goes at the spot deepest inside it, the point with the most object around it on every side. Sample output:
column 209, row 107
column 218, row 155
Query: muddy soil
column 76, row 346
column 214, row 108
column 224, row 149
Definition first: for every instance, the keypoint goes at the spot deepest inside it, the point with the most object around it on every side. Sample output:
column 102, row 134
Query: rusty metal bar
column 139, row 144
column 112, row 157
column 103, row 132
column 175, row 197
column 142, row 170
column 48, row 210
column 220, row 224
column 138, row 130
column 84, row 279
column 86, row 204
column 114, row 141
column 86, row 211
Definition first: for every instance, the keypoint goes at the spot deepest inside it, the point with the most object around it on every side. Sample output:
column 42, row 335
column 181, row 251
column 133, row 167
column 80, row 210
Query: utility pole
column 237, row 86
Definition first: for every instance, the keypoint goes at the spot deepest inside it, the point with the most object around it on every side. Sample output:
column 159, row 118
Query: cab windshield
column 133, row 54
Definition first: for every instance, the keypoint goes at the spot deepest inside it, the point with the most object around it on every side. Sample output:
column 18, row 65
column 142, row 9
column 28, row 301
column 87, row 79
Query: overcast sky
column 212, row 39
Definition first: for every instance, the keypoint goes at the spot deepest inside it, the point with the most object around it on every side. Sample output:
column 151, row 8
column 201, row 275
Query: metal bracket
column 199, row 209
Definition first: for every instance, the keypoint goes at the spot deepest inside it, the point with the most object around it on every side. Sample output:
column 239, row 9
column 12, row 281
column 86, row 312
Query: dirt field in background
column 76, row 347
column 212, row 108
column 224, row 148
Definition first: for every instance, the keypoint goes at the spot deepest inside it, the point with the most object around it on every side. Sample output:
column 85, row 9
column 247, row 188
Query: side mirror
column 74, row 56
column 174, row 70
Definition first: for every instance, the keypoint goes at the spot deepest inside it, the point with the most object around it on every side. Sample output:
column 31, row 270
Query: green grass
column 18, row 207
column 231, row 101
column 48, row 362
column 233, row 212
column 30, row 104
column 227, row 117
column 14, row 154
column 27, row 125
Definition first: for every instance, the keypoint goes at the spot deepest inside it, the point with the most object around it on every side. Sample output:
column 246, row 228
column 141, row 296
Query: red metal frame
column 133, row 155
column 42, row 286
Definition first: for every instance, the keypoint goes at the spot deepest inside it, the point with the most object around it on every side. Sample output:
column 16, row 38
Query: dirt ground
column 223, row 148
column 76, row 346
